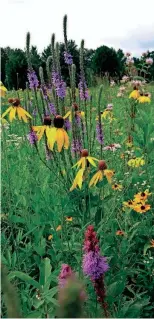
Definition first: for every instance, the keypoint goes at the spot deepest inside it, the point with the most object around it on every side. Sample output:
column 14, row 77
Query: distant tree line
column 99, row 62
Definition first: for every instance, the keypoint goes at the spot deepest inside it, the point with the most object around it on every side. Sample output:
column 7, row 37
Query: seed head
column 10, row 100
column 58, row 121
column 16, row 102
column 47, row 120
column 102, row 165
column 84, row 153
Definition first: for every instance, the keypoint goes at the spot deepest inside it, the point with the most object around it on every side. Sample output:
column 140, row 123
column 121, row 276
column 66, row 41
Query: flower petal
column 66, row 139
column 7, row 111
column 51, row 136
column 60, row 139
column 12, row 114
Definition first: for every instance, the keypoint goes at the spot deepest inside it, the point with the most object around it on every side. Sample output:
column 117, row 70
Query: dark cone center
column 58, row 121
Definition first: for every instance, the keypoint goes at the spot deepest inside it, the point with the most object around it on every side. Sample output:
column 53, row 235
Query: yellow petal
column 91, row 161
column 67, row 115
column 7, row 111
column 78, row 180
column 60, row 139
column 84, row 162
column 66, row 139
column 51, row 136
column 12, row 114
column 108, row 173
column 79, row 163
column 97, row 177
column 92, row 181
column 24, row 112
column 36, row 128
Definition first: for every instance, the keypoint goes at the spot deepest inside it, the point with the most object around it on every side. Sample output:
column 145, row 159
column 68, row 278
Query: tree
column 16, row 67
column 105, row 60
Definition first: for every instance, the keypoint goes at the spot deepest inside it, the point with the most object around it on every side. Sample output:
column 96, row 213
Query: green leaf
column 45, row 271
column 29, row 280
column 114, row 290
column 35, row 314
column 146, row 247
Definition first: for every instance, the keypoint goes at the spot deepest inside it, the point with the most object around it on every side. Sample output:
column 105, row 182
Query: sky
column 126, row 24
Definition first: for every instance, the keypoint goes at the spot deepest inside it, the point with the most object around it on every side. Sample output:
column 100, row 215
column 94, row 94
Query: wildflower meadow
column 77, row 217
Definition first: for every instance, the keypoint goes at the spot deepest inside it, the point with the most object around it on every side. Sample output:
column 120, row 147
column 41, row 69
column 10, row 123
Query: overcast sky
column 126, row 24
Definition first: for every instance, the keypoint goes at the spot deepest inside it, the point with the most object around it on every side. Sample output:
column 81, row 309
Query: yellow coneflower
column 58, row 228
column 120, row 233
column 102, row 171
column 50, row 237
column 58, row 134
column 78, row 180
column 117, row 187
column 141, row 208
column 144, row 98
column 68, row 219
column 142, row 196
column 3, row 90
column 16, row 108
column 134, row 94
column 152, row 243
column 43, row 129
column 136, row 162
column 85, row 159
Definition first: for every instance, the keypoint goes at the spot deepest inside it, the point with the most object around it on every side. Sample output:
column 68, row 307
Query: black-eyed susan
column 16, row 108
column 78, row 180
column 50, row 237
column 102, row 171
column 59, row 228
column 134, row 94
column 141, row 208
column 58, row 134
column 69, row 219
column 142, row 196
column 117, row 187
column 43, row 129
column 120, row 233
column 3, row 90
column 144, row 98
column 85, row 160
column 130, row 204
column 136, row 162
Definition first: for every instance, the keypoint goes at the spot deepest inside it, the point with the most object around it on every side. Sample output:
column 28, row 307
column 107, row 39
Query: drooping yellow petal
column 7, row 111
column 97, row 177
column 108, row 173
column 91, row 160
column 66, row 140
column 51, row 133
column 79, row 163
column 60, row 139
column 24, row 112
column 84, row 162
column 21, row 115
column 78, row 180
column 37, row 128
column 12, row 114
column 67, row 115
column 40, row 131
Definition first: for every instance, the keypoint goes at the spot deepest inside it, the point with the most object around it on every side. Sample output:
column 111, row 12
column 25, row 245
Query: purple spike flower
column 33, row 80
column 83, row 91
column 76, row 146
column 99, row 133
column 61, row 89
column 78, row 120
column 55, row 78
column 68, row 58
column 67, row 125
column 32, row 137
column 94, row 265
column 52, row 109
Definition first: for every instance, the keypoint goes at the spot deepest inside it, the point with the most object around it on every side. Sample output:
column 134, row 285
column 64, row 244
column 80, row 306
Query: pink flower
column 122, row 88
column 65, row 274
column 112, row 83
column 119, row 94
column 112, row 147
column 149, row 61
column 128, row 54
column 109, row 107
column 129, row 61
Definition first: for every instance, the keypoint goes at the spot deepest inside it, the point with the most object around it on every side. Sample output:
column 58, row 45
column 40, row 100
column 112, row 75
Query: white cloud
column 117, row 23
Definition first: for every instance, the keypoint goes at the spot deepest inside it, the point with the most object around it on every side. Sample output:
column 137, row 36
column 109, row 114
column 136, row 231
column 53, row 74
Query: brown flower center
column 102, row 165
column 47, row 120
column 142, row 207
column 16, row 102
column 130, row 202
column 58, row 121
column 143, row 194
column 84, row 153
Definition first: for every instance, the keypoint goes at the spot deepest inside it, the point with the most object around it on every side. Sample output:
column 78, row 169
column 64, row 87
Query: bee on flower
column 102, row 171
column 136, row 162
column 16, row 108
